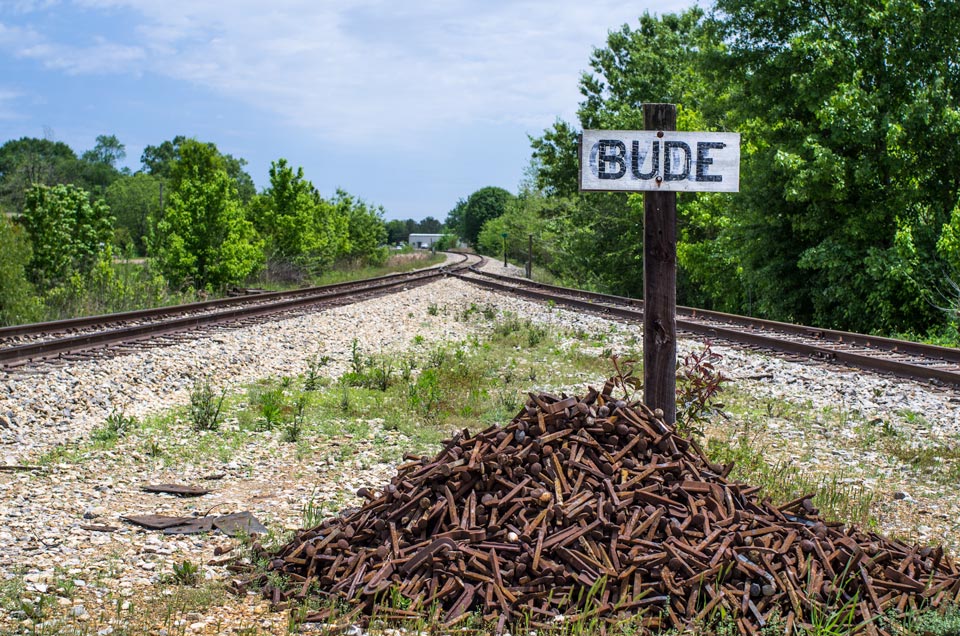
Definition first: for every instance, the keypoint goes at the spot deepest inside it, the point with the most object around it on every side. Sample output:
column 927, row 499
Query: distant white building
column 424, row 241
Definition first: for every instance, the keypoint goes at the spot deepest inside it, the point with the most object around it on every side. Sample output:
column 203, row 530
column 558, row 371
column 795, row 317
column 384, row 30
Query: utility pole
column 504, row 237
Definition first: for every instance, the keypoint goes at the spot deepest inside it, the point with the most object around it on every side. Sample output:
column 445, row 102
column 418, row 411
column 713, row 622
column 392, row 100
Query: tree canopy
column 161, row 161
column 134, row 199
column 68, row 232
column 848, row 112
column 18, row 300
column 202, row 237
column 483, row 205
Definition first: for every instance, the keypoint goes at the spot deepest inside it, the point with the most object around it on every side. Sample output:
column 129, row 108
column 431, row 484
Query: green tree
column 301, row 229
column 202, row 236
column 366, row 230
column 454, row 222
column 446, row 242
column 134, row 199
column 68, row 232
column 555, row 160
column 18, row 301
column 108, row 150
column 161, row 161
column 429, row 225
column 850, row 171
column 526, row 215
column 397, row 232
column 850, row 115
column 597, row 237
column 483, row 205
column 28, row 161
column 285, row 213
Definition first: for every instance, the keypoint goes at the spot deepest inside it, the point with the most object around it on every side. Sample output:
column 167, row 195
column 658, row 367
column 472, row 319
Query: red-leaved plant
column 698, row 386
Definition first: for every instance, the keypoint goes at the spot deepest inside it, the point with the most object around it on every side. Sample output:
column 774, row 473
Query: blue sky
column 410, row 105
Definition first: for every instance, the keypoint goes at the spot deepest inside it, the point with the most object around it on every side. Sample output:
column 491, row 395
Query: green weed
column 116, row 426
column 205, row 407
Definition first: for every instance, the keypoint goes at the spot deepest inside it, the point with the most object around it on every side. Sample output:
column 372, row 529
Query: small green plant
column 425, row 394
column 437, row 357
column 432, row 309
column 116, row 426
column 370, row 373
column 272, row 405
column 314, row 379
column 407, row 366
column 945, row 622
column 152, row 447
column 698, row 385
column 356, row 357
column 294, row 428
column 535, row 334
column 312, row 512
column 205, row 407
column 186, row 572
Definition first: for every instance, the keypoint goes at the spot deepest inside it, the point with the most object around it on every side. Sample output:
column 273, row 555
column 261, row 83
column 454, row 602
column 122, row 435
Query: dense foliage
column 468, row 217
column 192, row 212
column 134, row 199
column 68, row 231
column 365, row 229
column 202, row 237
column 400, row 231
column 848, row 213
column 162, row 160
column 28, row 161
column 18, row 302
column 299, row 226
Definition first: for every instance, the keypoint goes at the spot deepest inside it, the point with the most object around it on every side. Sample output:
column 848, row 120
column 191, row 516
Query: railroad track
column 23, row 344
column 874, row 353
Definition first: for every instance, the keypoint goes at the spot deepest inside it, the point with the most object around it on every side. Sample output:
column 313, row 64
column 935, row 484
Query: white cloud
column 7, row 110
column 361, row 69
column 100, row 57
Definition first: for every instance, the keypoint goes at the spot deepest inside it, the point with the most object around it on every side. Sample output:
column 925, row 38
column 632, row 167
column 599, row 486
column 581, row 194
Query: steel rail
column 69, row 324
column 751, row 331
column 12, row 356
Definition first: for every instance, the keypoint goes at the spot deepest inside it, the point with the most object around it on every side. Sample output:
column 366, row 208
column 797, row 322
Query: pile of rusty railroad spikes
column 593, row 508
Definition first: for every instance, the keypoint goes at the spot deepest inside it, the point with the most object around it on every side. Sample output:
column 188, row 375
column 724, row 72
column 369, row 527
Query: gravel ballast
column 42, row 514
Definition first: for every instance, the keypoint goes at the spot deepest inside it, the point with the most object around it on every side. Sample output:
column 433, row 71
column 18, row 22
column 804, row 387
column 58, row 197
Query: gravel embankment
column 41, row 514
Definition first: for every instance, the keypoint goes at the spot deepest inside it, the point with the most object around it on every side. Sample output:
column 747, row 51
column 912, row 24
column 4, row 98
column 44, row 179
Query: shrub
column 18, row 303
column 205, row 407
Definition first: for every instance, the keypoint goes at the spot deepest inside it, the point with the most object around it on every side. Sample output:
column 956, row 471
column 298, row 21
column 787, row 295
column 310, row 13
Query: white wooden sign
column 659, row 161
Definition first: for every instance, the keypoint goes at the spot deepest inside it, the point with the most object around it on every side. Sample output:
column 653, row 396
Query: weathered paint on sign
column 664, row 161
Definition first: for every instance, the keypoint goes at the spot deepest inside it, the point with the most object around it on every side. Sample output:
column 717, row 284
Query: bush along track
column 594, row 510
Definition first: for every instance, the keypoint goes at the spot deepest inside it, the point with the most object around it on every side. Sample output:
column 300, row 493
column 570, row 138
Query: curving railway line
column 63, row 339
column 874, row 353
column 69, row 339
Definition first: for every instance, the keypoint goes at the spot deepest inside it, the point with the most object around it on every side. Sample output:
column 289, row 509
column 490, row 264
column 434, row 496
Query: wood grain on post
column 530, row 256
column 660, row 283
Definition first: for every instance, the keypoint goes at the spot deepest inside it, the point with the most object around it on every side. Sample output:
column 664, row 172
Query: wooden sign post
column 660, row 283
column 529, row 256
column 659, row 162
